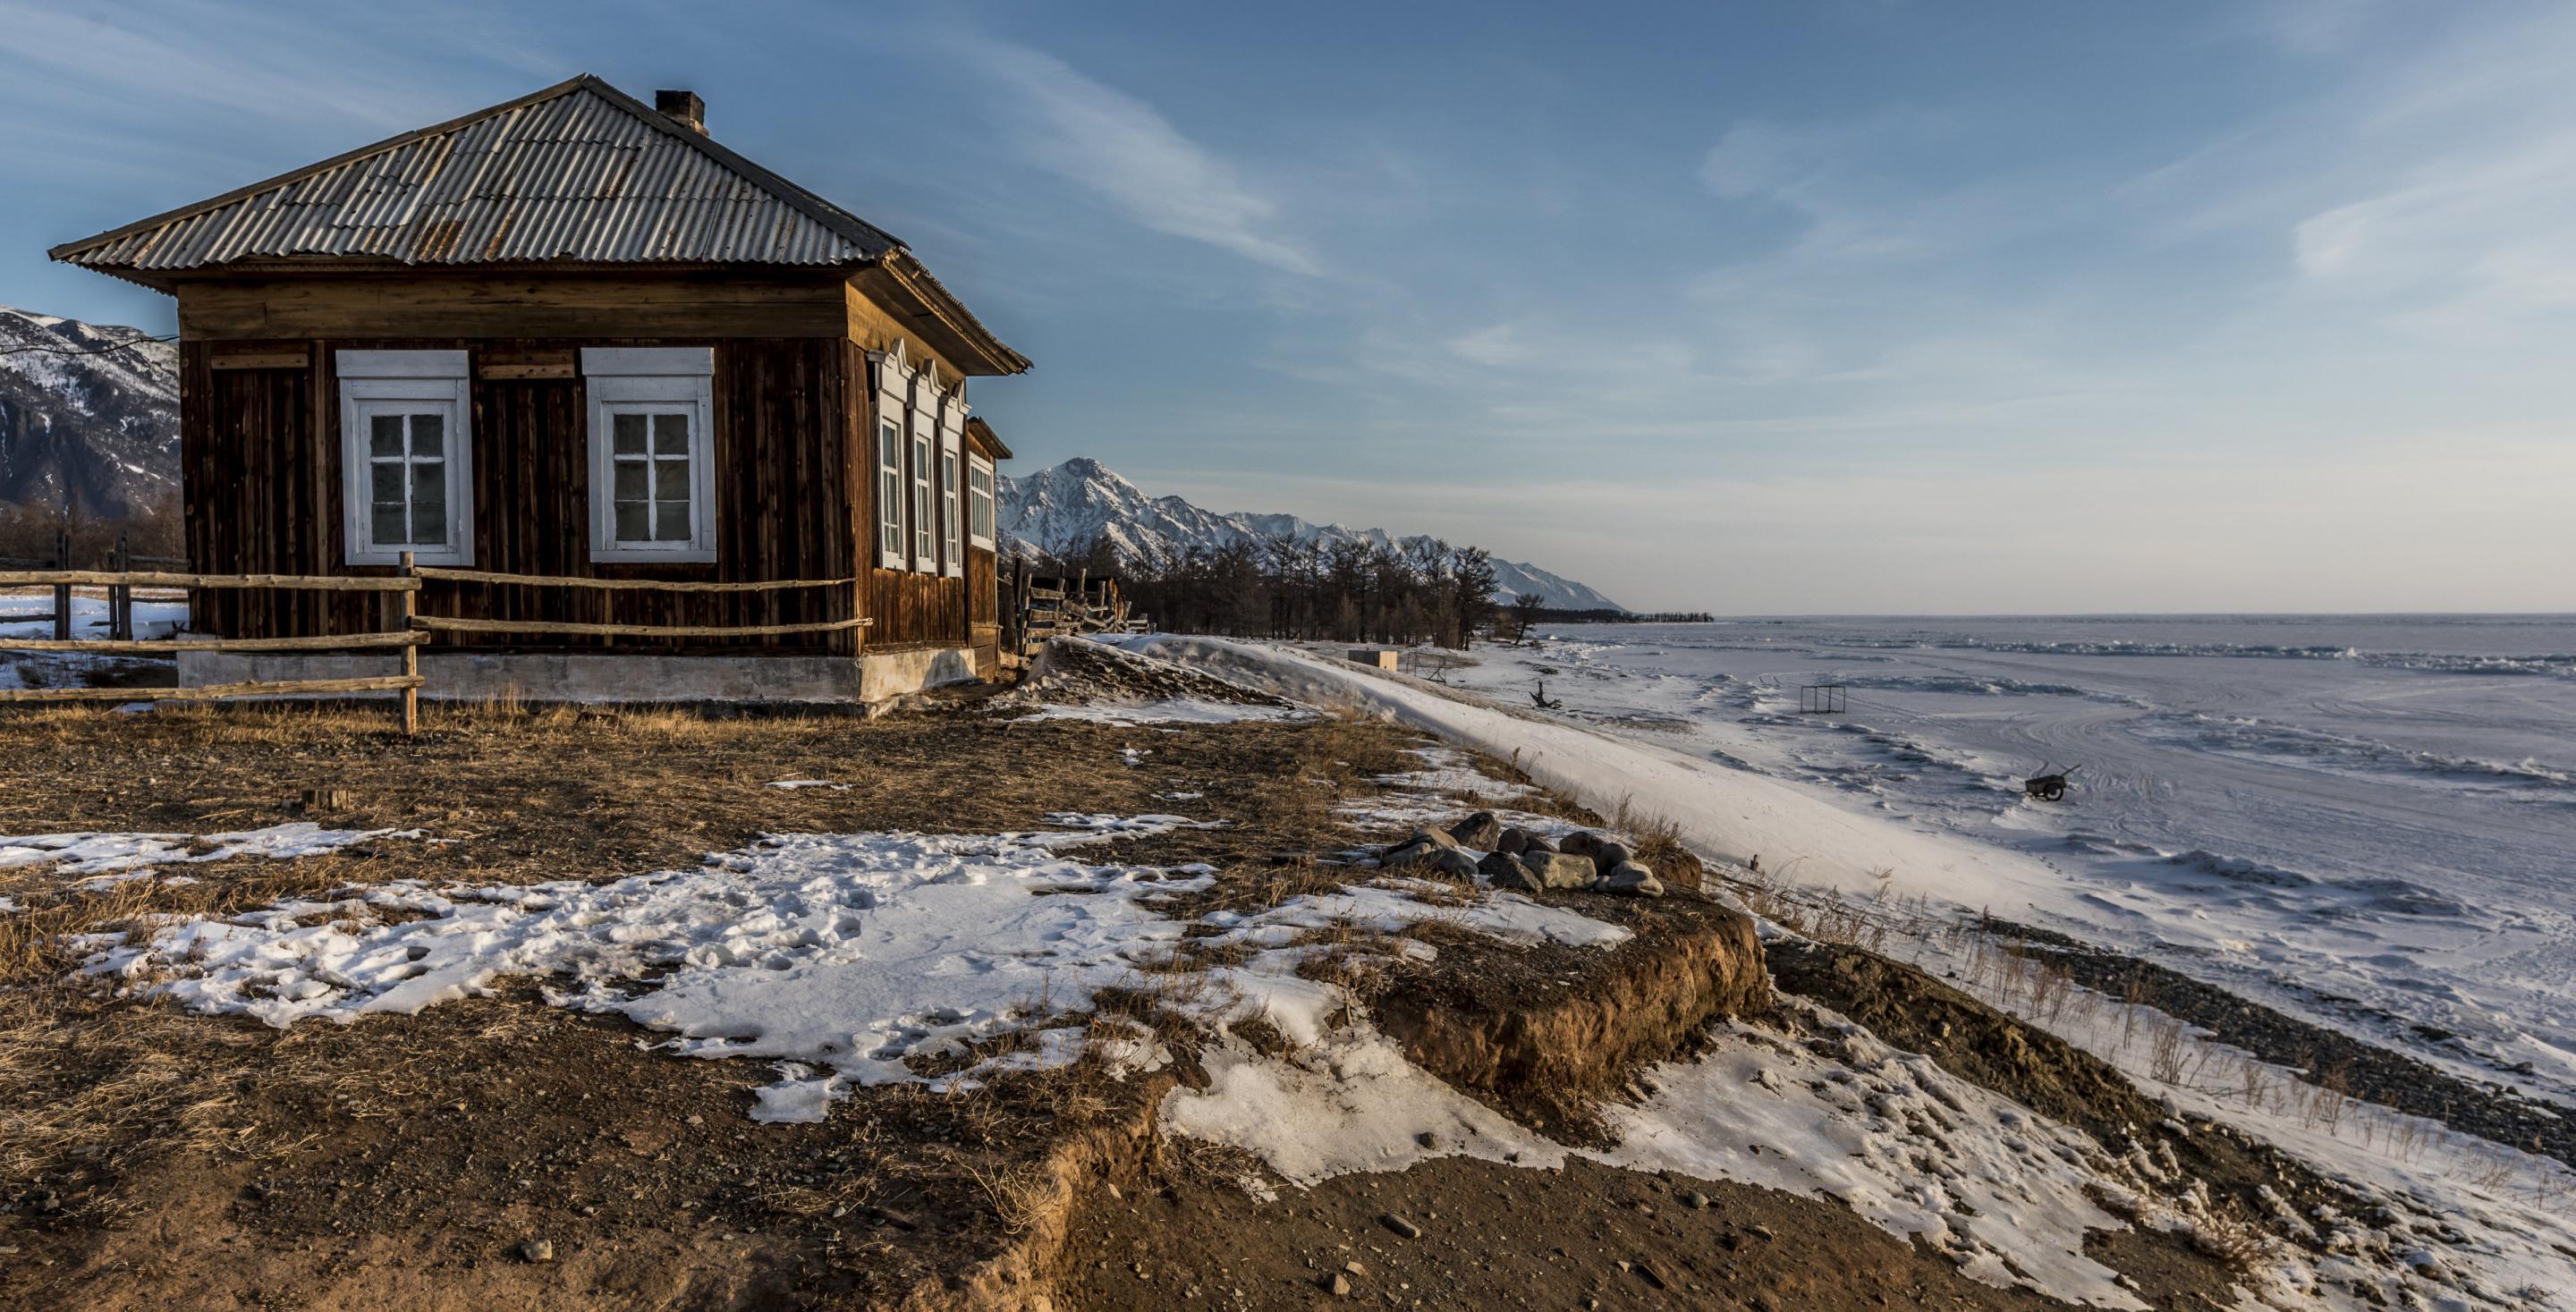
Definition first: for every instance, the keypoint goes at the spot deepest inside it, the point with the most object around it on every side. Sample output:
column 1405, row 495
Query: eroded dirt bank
column 1544, row 1034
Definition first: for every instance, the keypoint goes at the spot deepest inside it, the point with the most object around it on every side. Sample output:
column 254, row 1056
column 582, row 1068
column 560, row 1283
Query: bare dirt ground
column 502, row 1153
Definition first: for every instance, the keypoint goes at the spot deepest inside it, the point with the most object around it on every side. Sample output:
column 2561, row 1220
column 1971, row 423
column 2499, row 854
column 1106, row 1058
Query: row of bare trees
column 27, row 532
column 1416, row 591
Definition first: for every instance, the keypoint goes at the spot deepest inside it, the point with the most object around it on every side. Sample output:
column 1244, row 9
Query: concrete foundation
column 576, row 677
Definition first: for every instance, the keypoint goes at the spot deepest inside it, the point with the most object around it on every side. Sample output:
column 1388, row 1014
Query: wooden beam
column 212, row 691
column 444, row 624
column 147, row 579
column 299, row 357
column 166, row 646
column 541, row 370
column 422, row 304
column 622, row 585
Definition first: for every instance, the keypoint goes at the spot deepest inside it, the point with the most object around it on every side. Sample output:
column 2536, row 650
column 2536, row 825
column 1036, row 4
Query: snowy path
column 2379, row 843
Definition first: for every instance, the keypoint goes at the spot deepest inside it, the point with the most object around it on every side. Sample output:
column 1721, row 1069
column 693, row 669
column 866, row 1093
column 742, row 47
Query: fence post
column 410, row 651
column 120, row 597
column 62, row 591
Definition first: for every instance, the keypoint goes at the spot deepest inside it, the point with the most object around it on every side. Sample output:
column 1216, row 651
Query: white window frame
column 414, row 382
column 893, row 491
column 925, row 439
column 651, row 380
column 890, row 490
column 952, row 491
column 989, row 494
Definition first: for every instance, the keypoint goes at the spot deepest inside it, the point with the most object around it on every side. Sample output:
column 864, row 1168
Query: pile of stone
column 1516, row 859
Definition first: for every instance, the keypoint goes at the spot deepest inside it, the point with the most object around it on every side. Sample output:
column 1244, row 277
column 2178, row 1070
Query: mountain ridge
column 1063, row 508
column 89, row 414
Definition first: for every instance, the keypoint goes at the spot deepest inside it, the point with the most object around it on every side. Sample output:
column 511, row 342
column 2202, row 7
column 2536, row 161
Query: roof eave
column 905, row 274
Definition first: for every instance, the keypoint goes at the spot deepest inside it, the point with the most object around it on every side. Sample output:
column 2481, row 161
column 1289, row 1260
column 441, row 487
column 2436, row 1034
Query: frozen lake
column 2369, row 821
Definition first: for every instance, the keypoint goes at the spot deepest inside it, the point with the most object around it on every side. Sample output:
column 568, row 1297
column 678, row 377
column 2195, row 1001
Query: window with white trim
column 922, row 557
column 979, row 502
column 652, row 452
column 406, row 456
column 889, row 493
column 923, row 428
column 952, row 527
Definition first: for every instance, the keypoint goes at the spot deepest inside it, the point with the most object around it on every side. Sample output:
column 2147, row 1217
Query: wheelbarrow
column 2048, row 785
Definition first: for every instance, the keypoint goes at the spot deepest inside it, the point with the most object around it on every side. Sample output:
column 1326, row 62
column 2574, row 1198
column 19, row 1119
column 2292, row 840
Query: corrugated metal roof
column 579, row 171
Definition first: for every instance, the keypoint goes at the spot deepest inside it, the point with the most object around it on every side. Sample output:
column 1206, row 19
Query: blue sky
column 1862, row 306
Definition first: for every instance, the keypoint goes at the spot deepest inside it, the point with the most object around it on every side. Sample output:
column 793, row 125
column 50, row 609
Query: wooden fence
column 1043, row 608
column 405, row 628
column 120, row 599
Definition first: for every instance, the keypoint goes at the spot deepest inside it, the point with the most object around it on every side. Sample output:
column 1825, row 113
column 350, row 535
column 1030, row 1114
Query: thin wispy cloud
column 1777, row 289
column 1119, row 148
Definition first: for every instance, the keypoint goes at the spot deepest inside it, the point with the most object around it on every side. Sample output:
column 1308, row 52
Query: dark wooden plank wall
column 984, row 610
column 261, row 452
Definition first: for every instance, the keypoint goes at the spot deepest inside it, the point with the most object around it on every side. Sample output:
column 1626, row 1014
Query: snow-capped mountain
column 99, row 427
column 1063, row 509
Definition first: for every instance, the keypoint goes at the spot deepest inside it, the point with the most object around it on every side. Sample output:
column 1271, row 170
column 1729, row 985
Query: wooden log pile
column 1043, row 608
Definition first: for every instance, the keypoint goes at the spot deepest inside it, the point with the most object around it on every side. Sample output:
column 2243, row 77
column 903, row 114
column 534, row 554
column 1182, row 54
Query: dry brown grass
column 87, row 1088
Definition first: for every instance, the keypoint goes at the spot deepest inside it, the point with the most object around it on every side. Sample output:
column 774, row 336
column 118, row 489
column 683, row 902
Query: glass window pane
column 671, row 521
column 671, row 480
column 385, row 483
column 889, row 445
column 428, row 436
column 631, row 481
column 628, row 433
column 429, row 502
column 386, row 524
column 670, row 435
column 633, row 521
column 385, row 435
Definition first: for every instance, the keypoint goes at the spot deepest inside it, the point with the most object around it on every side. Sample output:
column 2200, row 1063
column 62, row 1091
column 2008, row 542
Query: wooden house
column 572, row 336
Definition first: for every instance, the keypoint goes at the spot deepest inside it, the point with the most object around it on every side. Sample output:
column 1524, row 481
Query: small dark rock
column 1402, row 1227
column 536, row 1250
column 1512, row 842
column 1579, row 843
column 1633, row 880
column 1609, row 853
column 1504, row 871
column 1480, row 831
column 1408, row 855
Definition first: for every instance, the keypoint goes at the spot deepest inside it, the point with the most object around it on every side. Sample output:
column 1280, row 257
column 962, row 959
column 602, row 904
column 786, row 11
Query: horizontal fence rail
column 164, row 646
column 408, row 684
column 446, row 623
column 153, row 579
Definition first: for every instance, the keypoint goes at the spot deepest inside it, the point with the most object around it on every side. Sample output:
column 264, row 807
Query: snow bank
column 1725, row 814
column 1905, row 1146
column 102, row 853
column 845, row 952
column 835, row 956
